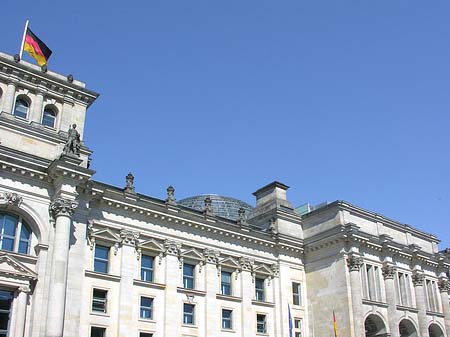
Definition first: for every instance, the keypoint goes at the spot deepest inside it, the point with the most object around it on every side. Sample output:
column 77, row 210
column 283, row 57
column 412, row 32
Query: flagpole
column 23, row 39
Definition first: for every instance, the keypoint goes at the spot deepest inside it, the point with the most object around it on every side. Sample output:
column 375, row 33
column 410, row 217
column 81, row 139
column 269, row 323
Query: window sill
column 228, row 330
column 228, row 298
column 262, row 334
column 149, row 284
column 411, row 309
column 298, row 307
column 101, row 314
column 191, row 291
column 190, row 326
column 147, row 320
column 376, row 303
column 434, row 313
column 263, row 303
column 102, row 276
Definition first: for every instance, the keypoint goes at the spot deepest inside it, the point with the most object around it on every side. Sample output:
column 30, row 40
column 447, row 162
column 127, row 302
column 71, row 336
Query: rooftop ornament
column 129, row 183
column 170, row 195
column 73, row 143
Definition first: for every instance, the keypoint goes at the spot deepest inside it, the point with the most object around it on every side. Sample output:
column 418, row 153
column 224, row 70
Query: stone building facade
column 83, row 258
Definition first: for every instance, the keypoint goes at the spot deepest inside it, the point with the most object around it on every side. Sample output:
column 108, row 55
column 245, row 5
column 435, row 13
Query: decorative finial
column 129, row 180
column 70, row 78
column 272, row 227
column 170, row 195
column 73, row 143
column 44, row 68
column 242, row 219
column 208, row 207
column 16, row 58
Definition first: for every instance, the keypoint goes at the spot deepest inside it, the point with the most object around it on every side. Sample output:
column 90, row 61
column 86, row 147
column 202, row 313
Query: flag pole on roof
column 23, row 39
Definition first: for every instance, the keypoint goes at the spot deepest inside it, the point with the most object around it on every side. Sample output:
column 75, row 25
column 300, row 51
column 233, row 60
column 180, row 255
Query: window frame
column 147, row 270
column 8, row 311
column 54, row 111
column 227, row 319
column 229, row 285
column 97, row 327
column 100, row 259
column 264, row 322
column 102, row 301
column 260, row 293
column 371, row 282
column 432, row 296
column 20, row 223
column 189, row 277
column 188, row 314
column 143, row 308
column 297, row 294
column 27, row 100
column 298, row 330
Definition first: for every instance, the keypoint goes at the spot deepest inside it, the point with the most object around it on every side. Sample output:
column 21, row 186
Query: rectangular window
column 98, row 332
column 99, row 300
column 101, row 259
column 261, row 323
column 5, row 311
column 296, row 293
column 147, row 268
column 404, row 289
column 297, row 327
column 145, row 334
column 259, row 289
column 431, row 294
column 227, row 322
column 188, row 314
column 188, row 276
column 371, row 283
column 225, row 283
column 146, row 308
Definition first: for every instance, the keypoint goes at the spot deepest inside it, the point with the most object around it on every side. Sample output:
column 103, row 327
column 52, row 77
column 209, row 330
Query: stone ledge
column 434, row 313
column 149, row 284
column 264, row 304
column 102, row 276
column 410, row 309
column 191, row 291
column 228, row 298
column 375, row 303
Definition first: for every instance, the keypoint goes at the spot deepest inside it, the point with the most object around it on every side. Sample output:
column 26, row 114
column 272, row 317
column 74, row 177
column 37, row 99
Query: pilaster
column 10, row 95
column 212, row 278
column 172, row 309
column 355, row 263
column 444, row 288
column 418, row 279
column 21, row 313
column 389, row 284
column 37, row 107
column 248, row 291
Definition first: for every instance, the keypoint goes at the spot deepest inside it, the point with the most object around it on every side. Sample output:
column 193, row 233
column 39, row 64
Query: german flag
column 335, row 325
column 36, row 48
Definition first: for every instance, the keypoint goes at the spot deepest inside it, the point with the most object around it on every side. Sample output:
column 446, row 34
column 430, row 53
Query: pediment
column 192, row 254
column 105, row 235
column 10, row 266
column 230, row 262
column 263, row 269
column 151, row 245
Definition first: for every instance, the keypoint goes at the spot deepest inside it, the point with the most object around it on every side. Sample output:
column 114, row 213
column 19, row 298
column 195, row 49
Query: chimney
column 270, row 197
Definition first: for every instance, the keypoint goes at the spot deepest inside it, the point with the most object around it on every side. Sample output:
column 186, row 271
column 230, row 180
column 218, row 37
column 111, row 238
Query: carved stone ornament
column 61, row 206
column 208, row 206
column 272, row 228
column 418, row 279
column 171, row 195
column 354, row 263
column 211, row 256
column 389, row 272
column 275, row 269
column 444, row 285
column 24, row 289
column 129, row 183
column 246, row 263
column 129, row 237
column 10, row 198
column 73, row 144
column 172, row 247
column 242, row 219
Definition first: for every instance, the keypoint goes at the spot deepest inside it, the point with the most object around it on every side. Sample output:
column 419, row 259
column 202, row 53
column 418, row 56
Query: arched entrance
column 407, row 329
column 374, row 326
column 435, row 331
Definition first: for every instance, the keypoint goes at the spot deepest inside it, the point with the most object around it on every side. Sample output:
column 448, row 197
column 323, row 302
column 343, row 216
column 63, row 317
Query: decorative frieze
column 10, row 198
column 172, row 247
column 211, row 256
column 129, row 237
column 418, row 279
column 246, row 263
column 389, row 272
column 62, row 206
column 354, row 262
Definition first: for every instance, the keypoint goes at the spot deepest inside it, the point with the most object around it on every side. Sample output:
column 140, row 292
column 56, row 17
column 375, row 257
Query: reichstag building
column 82, row 258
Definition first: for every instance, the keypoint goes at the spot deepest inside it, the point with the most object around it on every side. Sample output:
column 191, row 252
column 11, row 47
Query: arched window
column 21, row 107
column 15, row 234
column 49, row 116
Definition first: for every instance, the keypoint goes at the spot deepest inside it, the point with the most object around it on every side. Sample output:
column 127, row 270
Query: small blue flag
column 290, row 321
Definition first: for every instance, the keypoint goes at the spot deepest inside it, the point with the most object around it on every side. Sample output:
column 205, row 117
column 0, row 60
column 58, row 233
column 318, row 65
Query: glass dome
column 224, row 207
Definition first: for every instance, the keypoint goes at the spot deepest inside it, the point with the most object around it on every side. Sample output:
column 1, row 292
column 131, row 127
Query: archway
column 435, row 331
column 374, row 326
column 407, row 329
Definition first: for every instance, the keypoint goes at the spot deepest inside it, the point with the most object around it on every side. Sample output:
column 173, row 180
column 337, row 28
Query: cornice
column 27, row 75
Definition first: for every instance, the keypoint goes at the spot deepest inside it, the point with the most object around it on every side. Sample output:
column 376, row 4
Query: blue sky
column 337, row 99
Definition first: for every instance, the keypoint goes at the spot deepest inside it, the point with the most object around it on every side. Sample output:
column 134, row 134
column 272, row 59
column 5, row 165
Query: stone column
column 172, row 318
column 127, row 267
column 354, row 265
column 37, row 107
column 9, row 96
column 389, row 284
column 22, row 301
column 212, row 276
column 418, row 280
column 444, row 288
column 248, row 293
column 61, row 210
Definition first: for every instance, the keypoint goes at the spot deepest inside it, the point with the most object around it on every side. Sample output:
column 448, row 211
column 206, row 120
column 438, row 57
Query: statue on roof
column 73, row 143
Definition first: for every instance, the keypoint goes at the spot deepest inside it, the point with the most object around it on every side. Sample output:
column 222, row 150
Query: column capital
column 129, row 237
column 172, row 247
column 246, row 263
column 62, row 206
column 389, row 271
column 418, row 278
column 211, row 256
column 354, row 262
